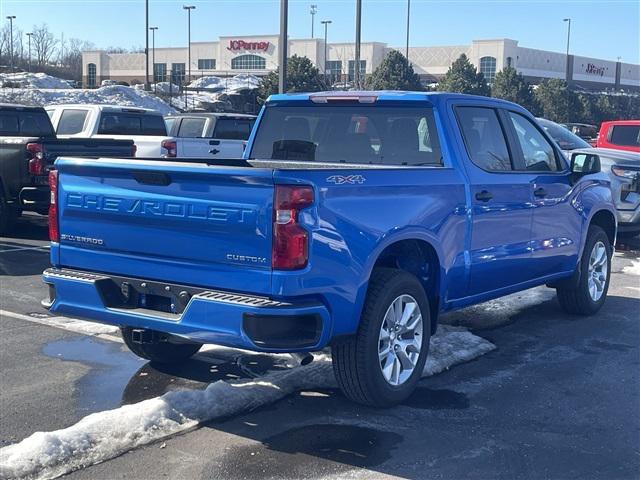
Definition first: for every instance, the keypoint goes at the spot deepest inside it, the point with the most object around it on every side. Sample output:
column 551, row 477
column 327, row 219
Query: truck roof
column 15, row 106
column 105, row 108
column 370, row 96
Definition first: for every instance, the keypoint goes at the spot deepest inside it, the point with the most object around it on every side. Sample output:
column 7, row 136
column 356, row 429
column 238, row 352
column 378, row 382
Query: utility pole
column 188, row 8
column 146, row 45
column 326, row 25
column 408, row 17
column 11, row 18
column 313, row 10
column 29, row 35
column 153, row 57
column 358, row 29
column 568, row 40
column 284, row 46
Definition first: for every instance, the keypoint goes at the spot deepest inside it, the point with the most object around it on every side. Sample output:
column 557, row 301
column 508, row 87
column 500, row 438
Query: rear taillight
column 171, row 147
column 36, row 162
column 54, row 232
column 290, row 239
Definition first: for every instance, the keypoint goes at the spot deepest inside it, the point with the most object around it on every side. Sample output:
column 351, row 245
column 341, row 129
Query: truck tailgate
column 186, row 223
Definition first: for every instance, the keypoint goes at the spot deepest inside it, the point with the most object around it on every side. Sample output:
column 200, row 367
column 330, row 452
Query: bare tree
column 73, row 56
column 43, row 43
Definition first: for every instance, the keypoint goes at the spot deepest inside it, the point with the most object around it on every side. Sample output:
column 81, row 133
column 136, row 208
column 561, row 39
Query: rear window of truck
column 126, row 123
column 626, row 135
column 356, row 134
column 233, row 128
column 26, row 124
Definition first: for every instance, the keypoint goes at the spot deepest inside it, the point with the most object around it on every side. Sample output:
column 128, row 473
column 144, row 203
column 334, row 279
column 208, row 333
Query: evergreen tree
column 510, row 85
column 302, row 76
column 462, row 77
column 557, row 102
column 394, row 73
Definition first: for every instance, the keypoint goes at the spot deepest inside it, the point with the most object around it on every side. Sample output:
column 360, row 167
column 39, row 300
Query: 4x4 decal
column 346, row 179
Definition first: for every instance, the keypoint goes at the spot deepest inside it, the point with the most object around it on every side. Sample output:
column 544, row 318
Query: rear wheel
column 157, row 346
column 589, row 293
column 381, row 365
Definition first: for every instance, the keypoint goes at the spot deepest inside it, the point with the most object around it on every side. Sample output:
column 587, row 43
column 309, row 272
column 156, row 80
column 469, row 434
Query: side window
column 539, row 155
column 71, row 121
column 484, row 138
column 191, row 127
column 233, row 128
column 9, row 124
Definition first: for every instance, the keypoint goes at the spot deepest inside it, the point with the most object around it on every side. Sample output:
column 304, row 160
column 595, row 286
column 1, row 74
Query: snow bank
column 104, row 435
column 633, row 269
column 111, row 95
column 33, row 80
column 227, row 84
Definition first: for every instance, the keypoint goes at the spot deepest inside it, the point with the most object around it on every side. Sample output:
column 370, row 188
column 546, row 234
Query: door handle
column 540, row 192
column 484, row 196
column 214, row 151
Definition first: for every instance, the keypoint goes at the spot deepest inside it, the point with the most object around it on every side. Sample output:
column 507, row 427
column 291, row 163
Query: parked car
column 623, row 169
column 620, row 135
column 587, row 132
column 566, row 140
column 209, row 135
column 28, row 148
column 144, row 126
column 354, row 220
column 108, row 83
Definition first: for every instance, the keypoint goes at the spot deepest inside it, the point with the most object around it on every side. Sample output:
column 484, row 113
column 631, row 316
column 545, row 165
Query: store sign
column 595, row 70
column 235, row 45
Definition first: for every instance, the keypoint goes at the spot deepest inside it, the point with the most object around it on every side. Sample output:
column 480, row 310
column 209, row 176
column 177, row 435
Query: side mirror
column 585, row 164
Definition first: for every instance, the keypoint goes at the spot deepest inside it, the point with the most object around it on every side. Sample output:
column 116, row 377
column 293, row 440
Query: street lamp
column 284, row 46
column 358, row 31
column 29, row 35
column 568, row 20
column 313, row 10
column 408, row 17
column 153, row 57
column 188, row 8
column 146, row 45
column 11, row 18
column 326, row 26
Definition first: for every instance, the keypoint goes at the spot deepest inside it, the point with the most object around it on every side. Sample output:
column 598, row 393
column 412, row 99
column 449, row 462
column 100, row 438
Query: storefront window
column 248, row 62
column 488, row 68
column 352, row 69
column 334, row 69
column 91, row 75
column 206, row 64
column 177, row 73
column 159, row 72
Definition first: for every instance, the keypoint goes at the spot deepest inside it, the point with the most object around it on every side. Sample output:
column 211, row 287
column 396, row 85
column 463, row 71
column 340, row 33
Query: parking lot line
column 70, row 324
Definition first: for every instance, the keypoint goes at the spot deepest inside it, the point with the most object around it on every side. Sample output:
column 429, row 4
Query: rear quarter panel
column 352, row 223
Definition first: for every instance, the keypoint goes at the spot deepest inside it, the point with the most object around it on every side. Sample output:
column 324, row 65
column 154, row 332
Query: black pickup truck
column 28, row 148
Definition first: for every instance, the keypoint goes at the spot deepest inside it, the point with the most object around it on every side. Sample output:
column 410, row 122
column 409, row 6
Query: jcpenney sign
column 595, row 70
column 242, row 45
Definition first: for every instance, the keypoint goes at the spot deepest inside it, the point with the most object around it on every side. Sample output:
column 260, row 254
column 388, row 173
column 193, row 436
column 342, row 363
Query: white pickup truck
column 144, row 126
column 209, row 135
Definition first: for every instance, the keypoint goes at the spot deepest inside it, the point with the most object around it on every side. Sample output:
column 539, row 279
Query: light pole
column 146, row 45
column 153, row 57
column 358, row 29
column 408, row 17
column 11, row 18
column 326, row 26
column 188, row 8
column 568, row 20
column 284, row 46
column 29, row 35
column 313, row 10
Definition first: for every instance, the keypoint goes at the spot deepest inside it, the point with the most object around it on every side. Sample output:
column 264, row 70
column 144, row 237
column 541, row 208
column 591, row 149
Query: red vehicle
column 620, row 135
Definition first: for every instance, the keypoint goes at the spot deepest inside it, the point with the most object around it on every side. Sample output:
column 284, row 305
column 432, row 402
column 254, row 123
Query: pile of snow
column 227, row 85
column 111, row 95
column 633, row 269
column 104, row 435
column 33, row 80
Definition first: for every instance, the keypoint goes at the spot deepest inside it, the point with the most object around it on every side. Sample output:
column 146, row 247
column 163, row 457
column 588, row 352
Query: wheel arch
column 606, row 220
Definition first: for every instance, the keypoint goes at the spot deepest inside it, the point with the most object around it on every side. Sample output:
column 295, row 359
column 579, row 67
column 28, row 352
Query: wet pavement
column 559, row 398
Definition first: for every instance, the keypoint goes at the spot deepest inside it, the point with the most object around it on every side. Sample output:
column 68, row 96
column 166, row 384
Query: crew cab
column 144, row 126
column 620, row 135
column 353, row 220
column 208, row 135
column 28, row 148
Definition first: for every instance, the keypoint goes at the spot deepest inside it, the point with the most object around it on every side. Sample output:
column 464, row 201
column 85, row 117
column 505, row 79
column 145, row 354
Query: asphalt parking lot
column 559, row 398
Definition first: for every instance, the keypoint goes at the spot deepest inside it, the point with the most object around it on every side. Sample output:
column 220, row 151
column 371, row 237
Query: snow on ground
column 633, row 269
column 111, row 95
column 104, row 435
column 227, row 84
column 33, row 80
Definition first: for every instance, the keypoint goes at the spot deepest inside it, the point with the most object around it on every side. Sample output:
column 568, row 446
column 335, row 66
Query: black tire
column 355, row 358
column 576, row 299
column 160, row 349
column 7, row 215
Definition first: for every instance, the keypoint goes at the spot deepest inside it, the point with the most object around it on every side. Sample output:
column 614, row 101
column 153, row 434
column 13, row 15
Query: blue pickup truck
column 353, row 221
